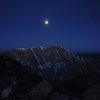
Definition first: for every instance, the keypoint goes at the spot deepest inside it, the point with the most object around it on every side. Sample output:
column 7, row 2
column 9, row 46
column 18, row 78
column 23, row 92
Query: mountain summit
column 64, row 71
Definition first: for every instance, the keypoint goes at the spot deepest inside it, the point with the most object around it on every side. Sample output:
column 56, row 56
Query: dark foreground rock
column 15, row 80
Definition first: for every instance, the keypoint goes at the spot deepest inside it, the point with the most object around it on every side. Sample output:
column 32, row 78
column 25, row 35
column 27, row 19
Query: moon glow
column 46, row 22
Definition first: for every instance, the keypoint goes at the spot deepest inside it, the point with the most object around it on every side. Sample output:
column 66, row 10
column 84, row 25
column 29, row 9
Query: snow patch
column 48, row 64
column 43, row 58
column 59, row 65
column 58, row 53
column 64, row 54
column 23, row 49
column 78, row 58
column 42, row 48
column 17, row 58
column 35, row 56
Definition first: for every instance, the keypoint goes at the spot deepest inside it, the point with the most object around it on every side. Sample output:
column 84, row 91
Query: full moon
column 46, row 22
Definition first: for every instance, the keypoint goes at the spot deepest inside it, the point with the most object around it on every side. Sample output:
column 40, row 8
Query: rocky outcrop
column 93, row 93
column 15, row 79
column 41, row 91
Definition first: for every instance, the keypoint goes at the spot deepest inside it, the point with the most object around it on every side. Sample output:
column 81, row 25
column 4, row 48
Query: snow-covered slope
column 44, row 56
column 56, row 59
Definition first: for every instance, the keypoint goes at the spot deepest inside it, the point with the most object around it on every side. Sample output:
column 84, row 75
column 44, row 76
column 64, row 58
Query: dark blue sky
column 74, row 24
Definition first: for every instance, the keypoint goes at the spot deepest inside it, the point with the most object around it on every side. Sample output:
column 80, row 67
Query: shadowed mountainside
column 24, row 71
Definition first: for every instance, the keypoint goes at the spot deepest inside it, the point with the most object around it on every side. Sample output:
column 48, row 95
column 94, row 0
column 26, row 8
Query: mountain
column 67, row 73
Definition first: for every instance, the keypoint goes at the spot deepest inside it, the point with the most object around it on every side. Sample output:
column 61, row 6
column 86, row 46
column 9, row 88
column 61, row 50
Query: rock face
column 15, row 79
column 41, row 91
column 93, row 93
column 47, row 73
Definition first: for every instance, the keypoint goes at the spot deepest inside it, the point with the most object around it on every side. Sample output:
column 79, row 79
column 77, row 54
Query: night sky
column 73, row 24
